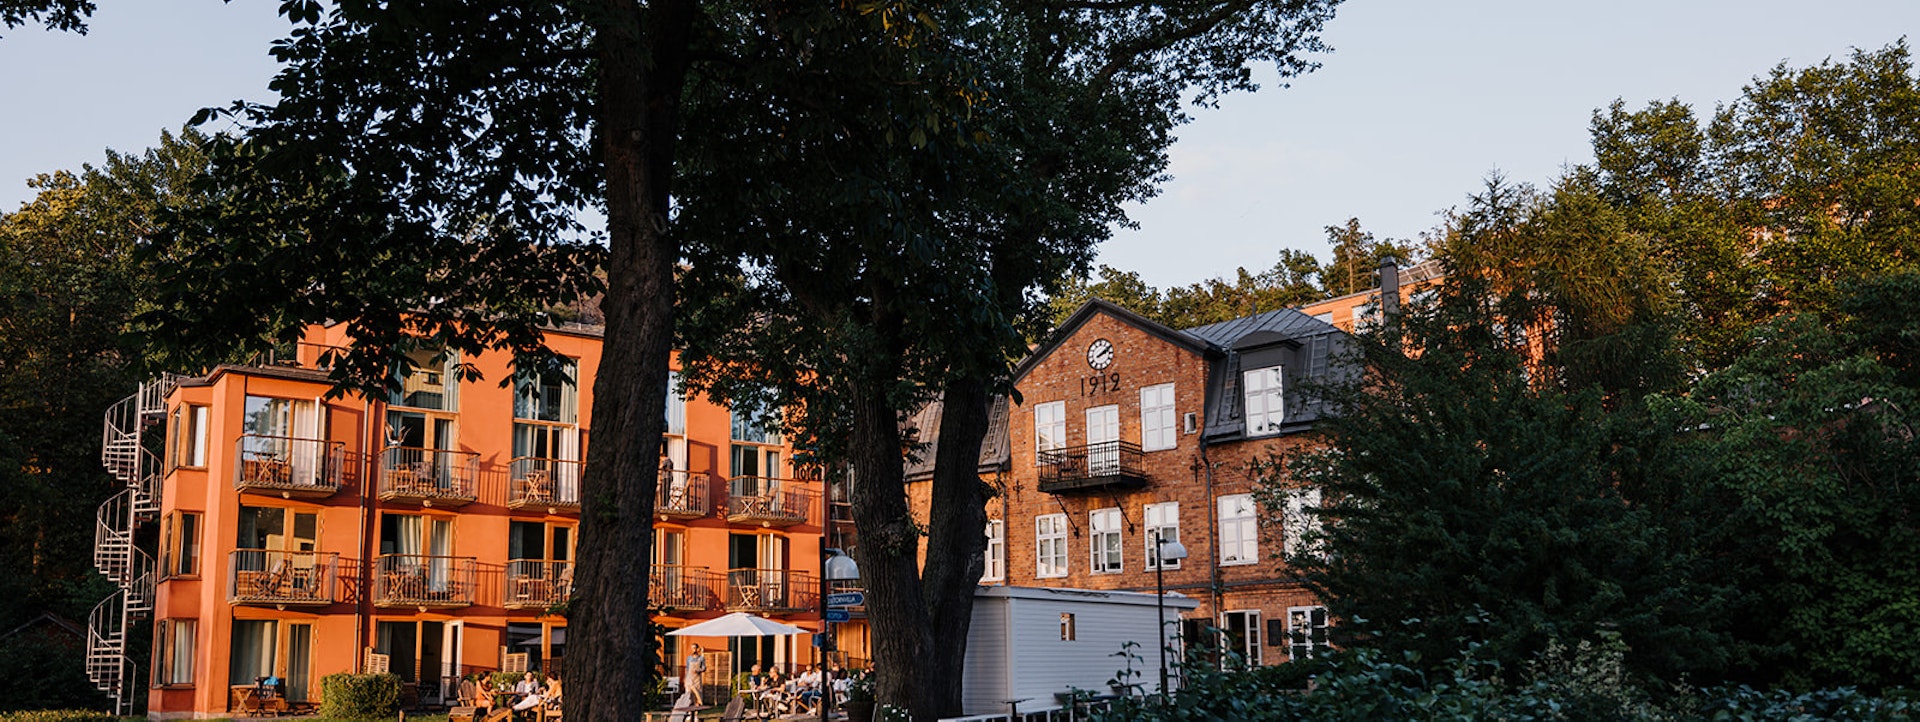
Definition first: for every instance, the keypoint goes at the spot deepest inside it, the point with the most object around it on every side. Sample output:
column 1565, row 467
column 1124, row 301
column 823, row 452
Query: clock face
column 1100, row 354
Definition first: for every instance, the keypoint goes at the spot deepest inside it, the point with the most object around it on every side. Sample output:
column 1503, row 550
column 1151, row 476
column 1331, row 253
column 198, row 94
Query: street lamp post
column 1164, row 551
column 835, row 566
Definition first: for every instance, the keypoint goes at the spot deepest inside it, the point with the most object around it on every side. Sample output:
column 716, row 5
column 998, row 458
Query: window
column 1068, row 630
column 173, row 651
column 751, row 426
column 1307, row 632
column 1265, row 406
column 1239, row 536
column 676, row 405
column 430, row 379
column 1157, row 431
column 252, row 654
column 1326, row 318
column 1049, row 427
column 1367, row 315
column 180, row 545
column 1299, row 528
column 996, row 566
column 548, row 394
column 1105, row 533
column 1050, row 545
column 190, row 436
column 1163, row 524
column 1242, row 631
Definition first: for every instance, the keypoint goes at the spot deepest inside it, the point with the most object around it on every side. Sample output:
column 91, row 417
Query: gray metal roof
column 995, row 448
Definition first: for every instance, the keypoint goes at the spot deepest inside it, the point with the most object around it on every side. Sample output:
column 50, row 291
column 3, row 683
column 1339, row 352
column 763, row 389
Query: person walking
column 696, row 669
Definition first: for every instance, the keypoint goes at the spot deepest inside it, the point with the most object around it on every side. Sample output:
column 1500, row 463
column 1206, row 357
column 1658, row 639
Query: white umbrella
column 738, row 624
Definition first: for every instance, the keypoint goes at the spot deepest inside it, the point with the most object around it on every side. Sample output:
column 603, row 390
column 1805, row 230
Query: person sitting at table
column 773, row 696
column 808, row 686
column 526, row 694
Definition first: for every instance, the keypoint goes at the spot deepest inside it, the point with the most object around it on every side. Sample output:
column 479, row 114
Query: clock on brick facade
column 1100, row 354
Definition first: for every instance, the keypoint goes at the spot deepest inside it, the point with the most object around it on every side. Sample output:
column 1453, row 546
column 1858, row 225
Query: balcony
column 683, row 589
column 282, row 578
column 771, row 591
column 550, row 485
column 428, row 476
column 682, row 495
column 537, row 584
column 1106, row 466
column 767, row 501
column 422, row 581
column 288, row 467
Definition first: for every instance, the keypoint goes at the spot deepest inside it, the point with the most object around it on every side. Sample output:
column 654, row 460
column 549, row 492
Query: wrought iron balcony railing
column 420, row 580
column 684, row 588
column 289, row 467
column 549, row 484
column 1102, row 466
column 428, row 476
column 282, row 578
column 537, row 583
column 682, row 495
column 771, row 591
column 768, row 501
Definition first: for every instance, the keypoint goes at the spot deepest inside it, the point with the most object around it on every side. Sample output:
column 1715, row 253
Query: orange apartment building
column 1129, row 431
column 430, row 533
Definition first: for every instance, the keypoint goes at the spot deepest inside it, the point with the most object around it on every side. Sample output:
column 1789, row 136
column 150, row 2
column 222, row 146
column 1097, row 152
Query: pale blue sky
column 1419, row 102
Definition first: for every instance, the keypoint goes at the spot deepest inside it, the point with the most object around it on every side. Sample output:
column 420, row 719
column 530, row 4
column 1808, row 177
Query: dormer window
column 1265, row 405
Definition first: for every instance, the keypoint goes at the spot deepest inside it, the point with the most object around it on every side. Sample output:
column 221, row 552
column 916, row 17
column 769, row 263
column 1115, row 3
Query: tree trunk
column 643, row 64
column 956, row 539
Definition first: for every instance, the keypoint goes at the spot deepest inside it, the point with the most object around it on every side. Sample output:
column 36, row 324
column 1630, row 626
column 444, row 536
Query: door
column 1103, row 440
column 432, row 657
column 450, row 658
column 299, row 662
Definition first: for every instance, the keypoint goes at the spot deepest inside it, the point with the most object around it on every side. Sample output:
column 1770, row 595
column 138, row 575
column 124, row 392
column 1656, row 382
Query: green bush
column 58, row 715
column 360, row 696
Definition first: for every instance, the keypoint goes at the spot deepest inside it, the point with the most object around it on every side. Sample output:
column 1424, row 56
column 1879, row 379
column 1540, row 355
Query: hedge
column 359, row 696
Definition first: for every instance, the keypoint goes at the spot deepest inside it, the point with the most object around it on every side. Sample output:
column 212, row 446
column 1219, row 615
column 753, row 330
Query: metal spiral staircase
column 114, row 552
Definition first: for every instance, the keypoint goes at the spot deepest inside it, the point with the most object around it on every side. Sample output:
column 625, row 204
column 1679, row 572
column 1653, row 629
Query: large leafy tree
column 889, row 248
column 1485, row 484
column 1808, row 438
column 71, row 287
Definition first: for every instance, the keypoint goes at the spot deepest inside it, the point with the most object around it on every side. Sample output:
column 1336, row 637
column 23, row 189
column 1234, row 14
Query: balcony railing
column 282, row 578
column 428, row 476
column 767, row 501
column 684, row 589
column 549, row 484
column 682, row 495
column 771, row 591
column 537, row 584
column 289, row 467
column 1102, row 466
column 418, row 580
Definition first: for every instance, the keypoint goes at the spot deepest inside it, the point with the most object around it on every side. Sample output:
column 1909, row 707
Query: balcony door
column 1103, row 440
column 283, row 433
column 413, row 537
column 421, row 435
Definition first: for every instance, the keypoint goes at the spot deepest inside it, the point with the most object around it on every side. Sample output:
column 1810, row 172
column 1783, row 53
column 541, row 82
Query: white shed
column 1029, row 643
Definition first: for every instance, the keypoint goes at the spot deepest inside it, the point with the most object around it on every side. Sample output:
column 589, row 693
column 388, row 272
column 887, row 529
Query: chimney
column 1389, row 288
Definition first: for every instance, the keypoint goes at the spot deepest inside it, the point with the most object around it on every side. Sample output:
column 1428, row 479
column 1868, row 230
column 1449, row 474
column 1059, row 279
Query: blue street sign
column 839, row 615
column 846, row 599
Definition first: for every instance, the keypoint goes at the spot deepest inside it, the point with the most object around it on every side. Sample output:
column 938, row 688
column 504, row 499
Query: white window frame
column 1264, row 393
column 996, row 562
column 1239, row 530
column 1159, row 429
column 1162, row 522
column 1049, row 427
column 1105, row 550
column 1307, row 632
column 1050, row 546
column 1250, row 644
column 1299, row 527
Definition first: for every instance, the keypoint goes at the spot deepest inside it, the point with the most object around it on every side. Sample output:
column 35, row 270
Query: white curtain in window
column 253, row 645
